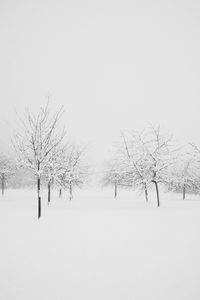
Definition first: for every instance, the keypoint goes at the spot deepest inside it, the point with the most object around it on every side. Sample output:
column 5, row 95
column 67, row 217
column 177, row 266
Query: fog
column 114, row 65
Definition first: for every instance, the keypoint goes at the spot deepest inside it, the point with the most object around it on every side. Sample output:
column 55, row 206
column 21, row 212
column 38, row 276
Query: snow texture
column 98, row 247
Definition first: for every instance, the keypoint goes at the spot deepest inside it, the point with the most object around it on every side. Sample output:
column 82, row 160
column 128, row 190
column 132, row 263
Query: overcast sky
column 113, row 65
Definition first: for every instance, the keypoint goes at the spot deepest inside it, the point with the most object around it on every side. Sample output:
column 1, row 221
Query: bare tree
column 114, row 175
column 38, row 138
column 149, row 154
column 183, row 175
column 74, row 169
column 196, row 163
column 137, row 173
column 7, row 170
column 54, row 167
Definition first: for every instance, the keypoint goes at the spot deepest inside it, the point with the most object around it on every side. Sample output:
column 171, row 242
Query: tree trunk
column 49, row 192
column 39, row 197
column 146, row 192
column 115, row 189
column 157, row 193
column 184, row 192
column 70, row 191
column 39, row 207
column 60, row 193
column 2, row 184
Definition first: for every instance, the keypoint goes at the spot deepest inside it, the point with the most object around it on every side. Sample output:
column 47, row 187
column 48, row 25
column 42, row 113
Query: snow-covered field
column 96, row 247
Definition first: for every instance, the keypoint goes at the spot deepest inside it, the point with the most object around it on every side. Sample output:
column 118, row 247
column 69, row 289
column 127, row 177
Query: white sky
column 113, row 64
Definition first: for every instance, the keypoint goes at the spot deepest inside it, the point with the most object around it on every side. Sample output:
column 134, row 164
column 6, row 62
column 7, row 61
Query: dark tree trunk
column 49, row 192
column 2, row 184
column 157, row 193
column 184, row 192
column 146, row 192
column 39, row 197
column 39, row 207
column 70, row 191
column 60, row 193
column 115, row 189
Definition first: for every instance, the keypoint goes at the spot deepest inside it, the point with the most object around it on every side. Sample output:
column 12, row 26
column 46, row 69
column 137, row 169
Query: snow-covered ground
column 97, row 247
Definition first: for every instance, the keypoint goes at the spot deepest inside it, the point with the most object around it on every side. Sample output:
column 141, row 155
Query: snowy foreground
column 96, row 247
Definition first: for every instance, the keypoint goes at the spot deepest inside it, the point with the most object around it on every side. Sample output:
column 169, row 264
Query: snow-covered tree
column 159, row 156
column 7, row 170
column 36, row 141
column 135, row 158
column 54, row 168
column 149, row 156
column 114, row 175
column 128, row 166
column 183, row 175
column 74, row 171
column 195, row 164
